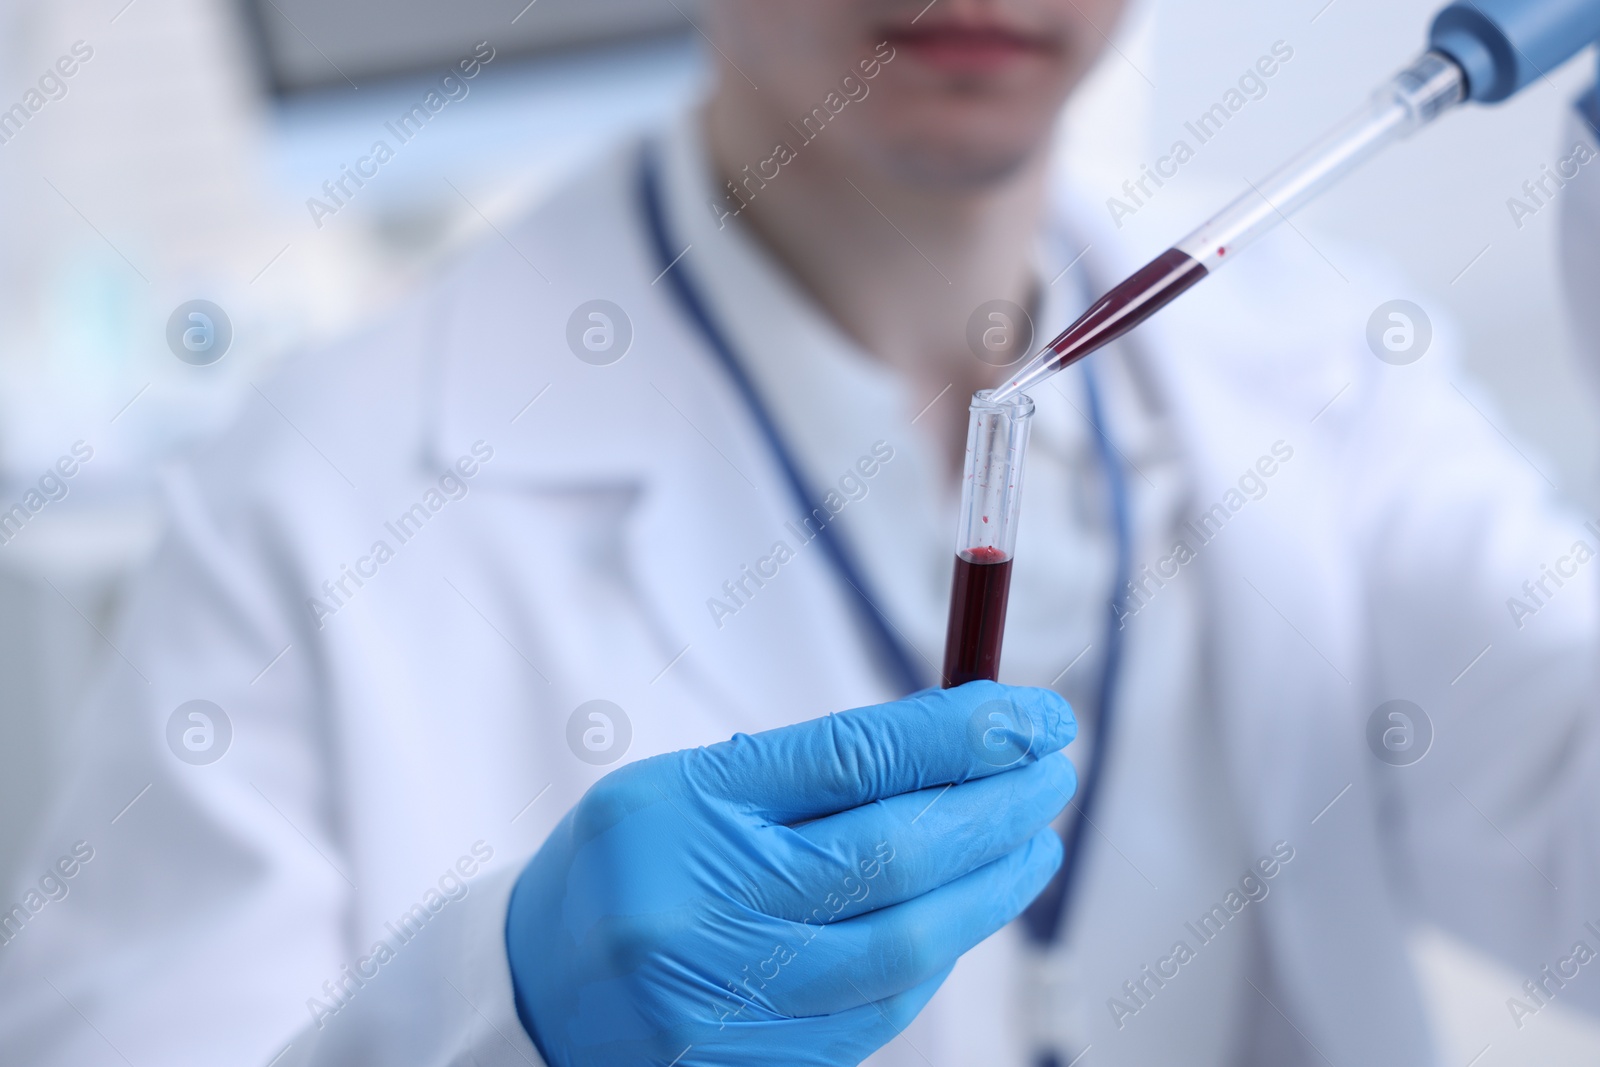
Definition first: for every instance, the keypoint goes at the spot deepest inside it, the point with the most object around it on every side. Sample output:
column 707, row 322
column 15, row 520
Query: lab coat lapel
column 665, row 425
column 726, row 555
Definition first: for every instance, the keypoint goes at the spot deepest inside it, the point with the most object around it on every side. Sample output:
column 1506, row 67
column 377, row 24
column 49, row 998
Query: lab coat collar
column 540, row 407
column 662, row 426
column 510, row 321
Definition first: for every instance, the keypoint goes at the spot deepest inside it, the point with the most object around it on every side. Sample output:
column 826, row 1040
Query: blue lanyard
column 1044, row 918
column 896, row 656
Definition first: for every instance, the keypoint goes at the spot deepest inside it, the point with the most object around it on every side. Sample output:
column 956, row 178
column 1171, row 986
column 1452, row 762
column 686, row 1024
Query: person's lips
column 969, row 49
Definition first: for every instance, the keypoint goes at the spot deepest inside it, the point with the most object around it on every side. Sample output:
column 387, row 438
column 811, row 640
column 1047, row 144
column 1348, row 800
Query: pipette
column 1482, row 50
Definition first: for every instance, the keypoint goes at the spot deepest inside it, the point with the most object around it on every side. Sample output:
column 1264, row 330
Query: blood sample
column 1140, row 295
column 991, row 493
column 977, row 616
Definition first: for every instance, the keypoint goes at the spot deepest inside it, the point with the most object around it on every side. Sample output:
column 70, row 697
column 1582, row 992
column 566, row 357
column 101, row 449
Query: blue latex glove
column 791, row 897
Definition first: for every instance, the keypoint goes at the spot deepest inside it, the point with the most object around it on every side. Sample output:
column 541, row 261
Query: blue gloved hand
column 791, row 897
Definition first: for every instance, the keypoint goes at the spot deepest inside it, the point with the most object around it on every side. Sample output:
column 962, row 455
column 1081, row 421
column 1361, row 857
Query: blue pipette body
column 1504, row 45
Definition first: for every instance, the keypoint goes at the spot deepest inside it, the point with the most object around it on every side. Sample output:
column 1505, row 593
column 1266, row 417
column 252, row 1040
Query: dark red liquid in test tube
column 997, row 437
column 977, row 616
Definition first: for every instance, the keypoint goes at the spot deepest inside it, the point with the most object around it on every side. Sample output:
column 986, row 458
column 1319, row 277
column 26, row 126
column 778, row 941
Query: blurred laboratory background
column 176, row 163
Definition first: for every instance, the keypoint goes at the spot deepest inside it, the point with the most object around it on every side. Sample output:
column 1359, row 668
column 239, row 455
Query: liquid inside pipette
column 1413, row 98
column 1140, row 295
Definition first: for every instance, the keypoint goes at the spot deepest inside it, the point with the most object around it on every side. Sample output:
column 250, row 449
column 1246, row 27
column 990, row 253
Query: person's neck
column 899, row 269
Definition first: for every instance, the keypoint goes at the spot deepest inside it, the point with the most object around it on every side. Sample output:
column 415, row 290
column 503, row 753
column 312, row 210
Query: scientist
column 416, row 749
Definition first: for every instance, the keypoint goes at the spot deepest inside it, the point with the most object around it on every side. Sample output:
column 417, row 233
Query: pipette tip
column 1037, row 369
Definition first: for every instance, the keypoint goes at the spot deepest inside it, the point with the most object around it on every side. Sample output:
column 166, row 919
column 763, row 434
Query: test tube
column 986, row 536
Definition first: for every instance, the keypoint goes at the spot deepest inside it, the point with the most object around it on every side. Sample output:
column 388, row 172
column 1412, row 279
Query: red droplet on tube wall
column 978, row 596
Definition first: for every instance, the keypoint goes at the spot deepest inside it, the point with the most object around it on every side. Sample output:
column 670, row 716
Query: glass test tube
column 986, row 536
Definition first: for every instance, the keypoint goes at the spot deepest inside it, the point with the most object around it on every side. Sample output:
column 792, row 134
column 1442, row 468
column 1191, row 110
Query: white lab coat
column 424, row 723
column 1580, row 238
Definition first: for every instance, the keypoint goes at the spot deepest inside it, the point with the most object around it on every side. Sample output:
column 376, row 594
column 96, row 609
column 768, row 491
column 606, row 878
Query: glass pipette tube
column 986, row 537
column 1407, row 102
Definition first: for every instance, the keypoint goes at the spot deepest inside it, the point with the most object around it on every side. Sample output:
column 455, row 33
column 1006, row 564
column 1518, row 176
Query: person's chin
column 958, row 164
